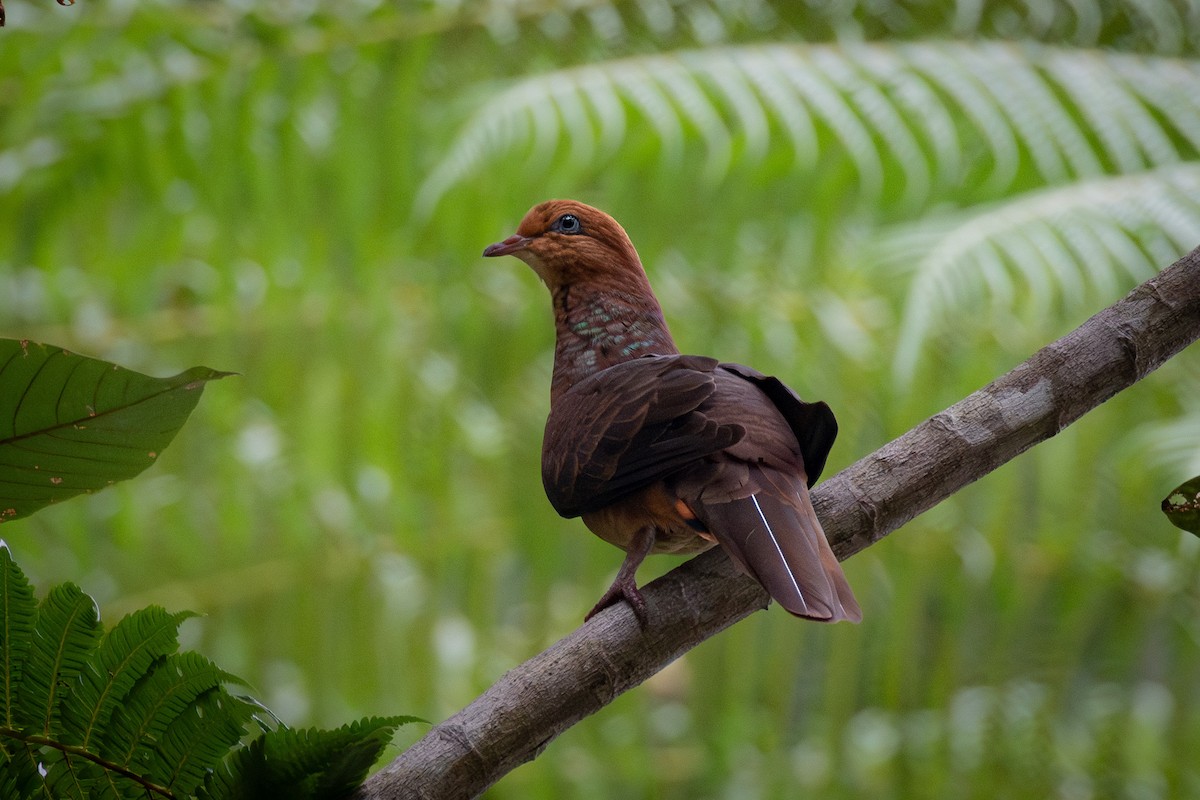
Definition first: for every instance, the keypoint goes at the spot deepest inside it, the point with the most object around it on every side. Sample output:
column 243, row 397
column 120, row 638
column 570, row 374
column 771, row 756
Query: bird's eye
column 568, row 223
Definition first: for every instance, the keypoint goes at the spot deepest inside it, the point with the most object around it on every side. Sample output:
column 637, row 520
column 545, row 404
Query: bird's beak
column 510, row 245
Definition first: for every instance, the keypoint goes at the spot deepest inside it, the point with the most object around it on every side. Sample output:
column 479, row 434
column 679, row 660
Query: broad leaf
column 71, row 424
column 1182, row 506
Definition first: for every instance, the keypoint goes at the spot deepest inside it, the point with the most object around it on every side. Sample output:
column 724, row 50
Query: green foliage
column 1078, row 170
column 127, row 715
column 65, row 632
column 304, row 763
column 1182, row 506
column 361, row 517
column 903, row 115
column 70, row 424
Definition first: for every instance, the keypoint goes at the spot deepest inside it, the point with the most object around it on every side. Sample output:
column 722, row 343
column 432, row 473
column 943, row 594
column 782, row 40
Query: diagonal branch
column 514, row 720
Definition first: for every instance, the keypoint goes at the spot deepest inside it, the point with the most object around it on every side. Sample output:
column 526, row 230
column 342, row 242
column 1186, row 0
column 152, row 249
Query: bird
column 662, row 452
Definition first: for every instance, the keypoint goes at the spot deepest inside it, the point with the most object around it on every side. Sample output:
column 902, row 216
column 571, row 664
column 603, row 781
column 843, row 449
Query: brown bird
column 660, row 452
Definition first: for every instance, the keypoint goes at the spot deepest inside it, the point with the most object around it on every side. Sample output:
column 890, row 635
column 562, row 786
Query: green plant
column 84, row 713
column 233, row 183
column 88, row 713
column 70, row 424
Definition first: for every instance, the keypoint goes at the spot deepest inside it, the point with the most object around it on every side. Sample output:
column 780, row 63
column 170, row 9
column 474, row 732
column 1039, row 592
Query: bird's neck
column 597, row 328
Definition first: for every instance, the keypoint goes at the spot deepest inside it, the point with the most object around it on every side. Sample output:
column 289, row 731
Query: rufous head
column 567, row 242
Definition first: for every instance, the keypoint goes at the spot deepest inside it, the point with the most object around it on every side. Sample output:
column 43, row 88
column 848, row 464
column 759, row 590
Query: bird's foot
column 623, row 588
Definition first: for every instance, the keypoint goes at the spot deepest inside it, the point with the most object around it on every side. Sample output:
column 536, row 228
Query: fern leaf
column 111, row 785
column 906, row 115
column 10, row 781
column 1063, row 245
column 1171, row 443
column 65, row 633
column 836, row 113
column 306, row 764
column 19, row 770
column 154, row 704
column 68, row 776
column 124, row 656
column 349, row 752
column 18, row 610
column 885, row 116
column 198, row 739
column 127, row 717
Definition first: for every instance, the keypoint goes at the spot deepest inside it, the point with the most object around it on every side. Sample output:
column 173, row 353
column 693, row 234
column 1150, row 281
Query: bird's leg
column 624, row 586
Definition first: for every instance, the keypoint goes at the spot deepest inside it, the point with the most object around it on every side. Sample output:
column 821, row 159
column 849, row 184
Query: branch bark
column 514, row 720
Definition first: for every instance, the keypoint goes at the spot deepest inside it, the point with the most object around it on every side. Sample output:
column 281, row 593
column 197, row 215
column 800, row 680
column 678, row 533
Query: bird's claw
column 627, row 591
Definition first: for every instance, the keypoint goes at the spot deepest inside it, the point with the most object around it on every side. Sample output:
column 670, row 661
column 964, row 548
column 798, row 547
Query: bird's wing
column 627, row 427
column 813, row 424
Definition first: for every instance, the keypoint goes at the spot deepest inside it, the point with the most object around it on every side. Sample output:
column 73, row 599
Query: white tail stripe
column 779, row 550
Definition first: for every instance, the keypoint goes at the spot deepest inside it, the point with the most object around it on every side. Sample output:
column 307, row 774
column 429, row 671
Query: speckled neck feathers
column 599, row 327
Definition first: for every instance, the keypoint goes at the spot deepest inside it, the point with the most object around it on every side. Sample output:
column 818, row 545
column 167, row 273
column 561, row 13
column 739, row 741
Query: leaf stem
column 82, row 752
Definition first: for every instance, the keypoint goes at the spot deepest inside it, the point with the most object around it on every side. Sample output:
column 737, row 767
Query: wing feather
column 738, row 447
column 627, row 427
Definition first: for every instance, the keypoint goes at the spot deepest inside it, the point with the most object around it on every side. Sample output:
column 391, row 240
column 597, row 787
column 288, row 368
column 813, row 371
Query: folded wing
column 739, row 449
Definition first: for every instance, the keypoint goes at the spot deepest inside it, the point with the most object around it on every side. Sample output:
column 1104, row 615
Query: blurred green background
column 886, row 204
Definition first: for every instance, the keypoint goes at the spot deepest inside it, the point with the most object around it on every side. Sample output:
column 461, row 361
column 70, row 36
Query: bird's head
column 567, row 242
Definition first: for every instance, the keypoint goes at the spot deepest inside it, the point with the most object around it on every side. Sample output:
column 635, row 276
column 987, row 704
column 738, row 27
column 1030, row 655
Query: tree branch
column 514, row 720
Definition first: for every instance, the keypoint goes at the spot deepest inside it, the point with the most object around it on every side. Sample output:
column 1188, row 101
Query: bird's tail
column 775, row 537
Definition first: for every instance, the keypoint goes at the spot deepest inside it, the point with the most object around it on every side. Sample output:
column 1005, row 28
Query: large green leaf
column 71, row 424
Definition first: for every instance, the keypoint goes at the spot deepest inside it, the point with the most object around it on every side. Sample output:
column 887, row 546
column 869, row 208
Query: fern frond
column 346, row 754
column 18, row 610
column 1136, row 25
column 127, row 717
column 68, row 776
column 66, row 631
column 198, row 739
column 1172, row 443
column 904, row 115
column 306, row 764
column 1062, row 245
column 10, row 781
column 20, row 776
column 125, row 655
column 157, row 701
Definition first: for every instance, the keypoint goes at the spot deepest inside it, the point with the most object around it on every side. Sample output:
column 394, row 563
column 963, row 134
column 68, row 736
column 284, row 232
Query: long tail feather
column 774, row 535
